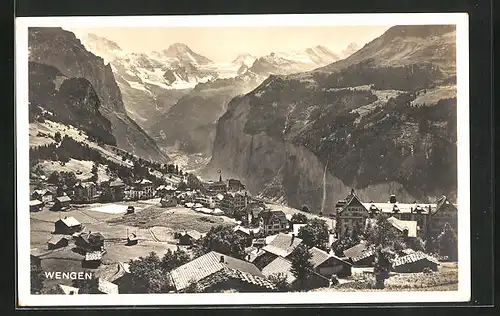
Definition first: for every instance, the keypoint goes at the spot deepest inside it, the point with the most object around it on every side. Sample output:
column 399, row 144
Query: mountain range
column 85, row 92
column 381, row 121
column 177, row 95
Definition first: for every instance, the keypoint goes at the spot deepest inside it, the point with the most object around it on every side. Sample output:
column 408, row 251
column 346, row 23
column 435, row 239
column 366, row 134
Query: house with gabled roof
column 35, row 205
column 273, row 222
column 360, row 254
column 283, row 245
column 85, row 192
column 327, row 264
column 89, row 242
column 67, row 226
column 43, row 195
column 444, row 212
column 58, row 241
column 214, row 272
column 351, row 214
column 62, row 203
column 190, row 237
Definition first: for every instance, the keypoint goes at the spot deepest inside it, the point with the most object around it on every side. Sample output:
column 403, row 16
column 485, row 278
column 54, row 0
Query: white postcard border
column 25, row 299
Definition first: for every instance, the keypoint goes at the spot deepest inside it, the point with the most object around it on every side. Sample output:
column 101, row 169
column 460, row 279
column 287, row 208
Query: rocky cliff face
column 190, row 123
column 70, row 100
column 368, row 122
column 62, row 50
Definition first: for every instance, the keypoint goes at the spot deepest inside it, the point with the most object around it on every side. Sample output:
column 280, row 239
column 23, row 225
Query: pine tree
column 301, row 266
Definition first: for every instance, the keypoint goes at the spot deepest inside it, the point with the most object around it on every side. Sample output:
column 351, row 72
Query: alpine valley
column 381, row 121
column 300, row 127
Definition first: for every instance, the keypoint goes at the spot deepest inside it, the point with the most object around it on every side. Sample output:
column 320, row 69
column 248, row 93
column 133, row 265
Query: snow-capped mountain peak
column 244, row 59
column 184, row 54
column 350, row 49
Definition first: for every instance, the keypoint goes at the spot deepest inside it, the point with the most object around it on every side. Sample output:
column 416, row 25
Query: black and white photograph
column 319, row 158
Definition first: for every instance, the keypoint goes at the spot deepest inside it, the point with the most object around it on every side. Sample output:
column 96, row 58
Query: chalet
column 215, row 272
column 89, row 242
column 252, row 211
column 115, row 190
column 360, row 255
column 327, row 264
column 414, row 262
column 235, row 185
column 189, row 237
column 35, row 205
column 58, row 241
column 62, row 203
column 246, row 233
column 282, row 245
column 407, row 228
column 168, row 200
column 282, row 266
column 67, row 226
column 351, row 214
column 43, row 195
column 273, row 222
column 85, row 192
column 444, row 212
column 67, row 290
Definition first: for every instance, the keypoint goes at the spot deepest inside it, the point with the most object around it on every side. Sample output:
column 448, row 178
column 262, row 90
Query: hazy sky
column 225, row 43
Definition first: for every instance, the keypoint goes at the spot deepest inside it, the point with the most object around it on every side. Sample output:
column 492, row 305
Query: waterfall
column 324, row 188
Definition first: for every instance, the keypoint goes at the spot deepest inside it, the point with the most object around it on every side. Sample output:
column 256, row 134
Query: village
column 227, row 239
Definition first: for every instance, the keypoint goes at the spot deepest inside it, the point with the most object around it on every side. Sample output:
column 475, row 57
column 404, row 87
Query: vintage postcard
column 242, row 159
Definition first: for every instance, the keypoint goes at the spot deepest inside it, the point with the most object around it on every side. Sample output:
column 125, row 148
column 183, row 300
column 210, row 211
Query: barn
column 58, row 241
column 61, row 203
column 67, row 226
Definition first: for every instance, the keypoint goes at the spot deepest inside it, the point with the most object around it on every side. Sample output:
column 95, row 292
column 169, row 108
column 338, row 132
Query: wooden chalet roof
column 319, row 257
column 412, row 258
column 283, row 245
column 63, row 198
column 35, row 203
column 410, row 226
column 69, row 221
column 363, row 255
column 351, row 198
column 355, row 251
column 56, row 238
column 280, row 265
column 193, row 234
column 208, row 269
column 269, row 216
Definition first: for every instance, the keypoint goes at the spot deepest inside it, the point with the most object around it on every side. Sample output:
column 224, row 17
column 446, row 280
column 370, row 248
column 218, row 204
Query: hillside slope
column 361, row 122
column 62, row 50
